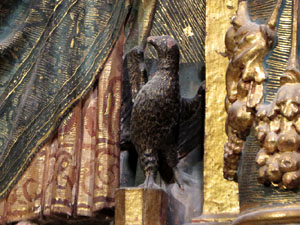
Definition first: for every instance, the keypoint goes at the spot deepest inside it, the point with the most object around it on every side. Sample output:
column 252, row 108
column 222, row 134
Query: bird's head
column 166, row 47
column 137, row 53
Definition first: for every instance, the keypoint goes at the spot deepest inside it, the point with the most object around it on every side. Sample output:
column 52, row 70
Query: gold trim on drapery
column 77, row 171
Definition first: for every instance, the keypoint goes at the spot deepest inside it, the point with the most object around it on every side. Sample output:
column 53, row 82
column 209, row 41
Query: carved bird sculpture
column 153, row 112
column 155, row 118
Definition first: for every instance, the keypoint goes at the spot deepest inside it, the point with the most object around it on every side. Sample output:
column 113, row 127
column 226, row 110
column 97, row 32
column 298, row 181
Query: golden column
column 220, row 196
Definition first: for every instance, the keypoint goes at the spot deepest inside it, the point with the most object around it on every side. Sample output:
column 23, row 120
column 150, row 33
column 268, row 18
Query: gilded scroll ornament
column 247, row 44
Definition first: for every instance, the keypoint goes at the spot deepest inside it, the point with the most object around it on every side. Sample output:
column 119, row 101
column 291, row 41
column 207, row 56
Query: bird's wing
column 135, row 70
column 191, row 128
column 133, row 79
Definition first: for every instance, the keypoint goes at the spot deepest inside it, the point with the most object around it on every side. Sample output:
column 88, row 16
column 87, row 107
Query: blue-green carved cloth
column 50, row 54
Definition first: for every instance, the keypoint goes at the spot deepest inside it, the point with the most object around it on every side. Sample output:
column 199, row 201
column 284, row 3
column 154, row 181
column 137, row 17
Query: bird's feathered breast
column 155, row 114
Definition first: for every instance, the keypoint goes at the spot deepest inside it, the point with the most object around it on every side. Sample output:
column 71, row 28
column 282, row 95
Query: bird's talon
column 181, row 187
column 150, row 183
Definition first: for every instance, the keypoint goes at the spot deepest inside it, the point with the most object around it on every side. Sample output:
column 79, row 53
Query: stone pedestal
column 139, row 206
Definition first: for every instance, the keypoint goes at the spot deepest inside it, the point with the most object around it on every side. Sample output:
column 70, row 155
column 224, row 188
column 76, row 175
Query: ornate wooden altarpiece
column 249, row 52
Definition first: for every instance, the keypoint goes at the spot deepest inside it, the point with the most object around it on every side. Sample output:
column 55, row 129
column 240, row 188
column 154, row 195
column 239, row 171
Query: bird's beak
column 152, row 40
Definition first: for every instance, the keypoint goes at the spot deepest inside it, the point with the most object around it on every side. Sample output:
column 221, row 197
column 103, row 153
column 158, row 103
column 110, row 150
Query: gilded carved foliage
column 276, row 125
column 277, row 129
column 247, row 43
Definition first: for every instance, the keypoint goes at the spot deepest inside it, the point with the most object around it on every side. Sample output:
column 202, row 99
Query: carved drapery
column 51, row 53
column 76, row 172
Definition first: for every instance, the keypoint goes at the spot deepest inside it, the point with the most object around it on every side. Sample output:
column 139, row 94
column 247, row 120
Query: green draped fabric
column 50, row 54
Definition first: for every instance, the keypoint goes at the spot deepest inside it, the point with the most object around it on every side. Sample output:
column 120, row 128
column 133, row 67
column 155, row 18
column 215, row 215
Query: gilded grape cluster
column 277, row 128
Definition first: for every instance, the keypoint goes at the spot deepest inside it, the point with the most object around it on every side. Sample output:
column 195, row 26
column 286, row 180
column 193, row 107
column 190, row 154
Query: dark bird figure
column 155, row 116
